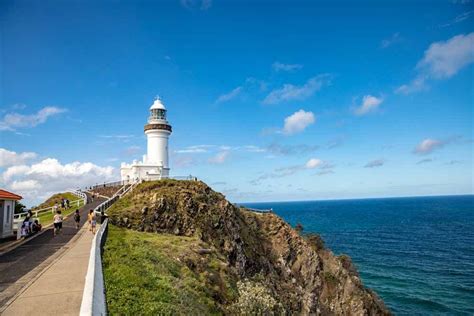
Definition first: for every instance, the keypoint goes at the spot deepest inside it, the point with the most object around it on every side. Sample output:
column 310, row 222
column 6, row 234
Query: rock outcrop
column 303, row 276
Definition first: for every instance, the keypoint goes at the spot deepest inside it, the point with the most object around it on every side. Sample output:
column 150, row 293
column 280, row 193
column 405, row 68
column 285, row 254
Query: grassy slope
column 146, row 274
column 56, row 199
column 47, row 217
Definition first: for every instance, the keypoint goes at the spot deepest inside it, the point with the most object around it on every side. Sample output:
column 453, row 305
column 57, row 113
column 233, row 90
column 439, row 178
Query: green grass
column 56, row 199
column 46, row 218
column 149, row 274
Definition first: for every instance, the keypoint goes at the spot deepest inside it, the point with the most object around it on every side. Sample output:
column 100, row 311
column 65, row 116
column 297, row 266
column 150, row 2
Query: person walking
column 77, row 218
column 92, row 221
column 58, row 223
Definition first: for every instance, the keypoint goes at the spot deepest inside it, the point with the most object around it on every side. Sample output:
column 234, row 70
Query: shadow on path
column 19, row 261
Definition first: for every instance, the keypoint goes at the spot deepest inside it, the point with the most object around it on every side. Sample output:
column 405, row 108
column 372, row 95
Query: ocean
column 417, row 253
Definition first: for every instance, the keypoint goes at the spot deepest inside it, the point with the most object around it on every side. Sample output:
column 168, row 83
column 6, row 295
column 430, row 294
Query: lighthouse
column 155, row 164
column 157, row 132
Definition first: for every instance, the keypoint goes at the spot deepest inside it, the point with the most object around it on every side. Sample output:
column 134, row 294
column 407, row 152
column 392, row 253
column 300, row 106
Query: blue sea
column 417, row 253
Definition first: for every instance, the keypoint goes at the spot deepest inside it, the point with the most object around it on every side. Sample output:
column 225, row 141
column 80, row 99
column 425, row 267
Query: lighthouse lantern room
column 154, row 165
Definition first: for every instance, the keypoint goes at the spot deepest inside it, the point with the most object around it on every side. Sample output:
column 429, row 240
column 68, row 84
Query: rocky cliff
column 297, row 272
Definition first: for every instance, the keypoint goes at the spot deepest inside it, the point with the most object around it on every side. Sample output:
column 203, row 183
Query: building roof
column 157, row 105
column 5, row 195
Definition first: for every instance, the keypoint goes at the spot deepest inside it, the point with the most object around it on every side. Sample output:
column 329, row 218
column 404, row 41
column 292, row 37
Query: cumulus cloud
column 369, row 104
column 291, row 92
column 13, row 121
column 375, row 163
column 10, row 158
column 394, row 39
column 277, row 66
column 297, row 122
column 313, row 163
column 220, row 157
column 442, row 60
column 428, row 145
column 39, row 180
column 229, row 96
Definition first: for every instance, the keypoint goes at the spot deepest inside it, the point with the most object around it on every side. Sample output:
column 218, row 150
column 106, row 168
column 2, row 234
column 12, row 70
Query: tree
column 19, row 207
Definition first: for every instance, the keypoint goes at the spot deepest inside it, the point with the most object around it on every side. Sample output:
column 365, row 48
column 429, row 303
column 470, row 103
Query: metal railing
column 104, row 185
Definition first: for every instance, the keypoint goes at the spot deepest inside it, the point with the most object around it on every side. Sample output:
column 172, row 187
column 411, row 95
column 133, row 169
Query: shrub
column 255, row 299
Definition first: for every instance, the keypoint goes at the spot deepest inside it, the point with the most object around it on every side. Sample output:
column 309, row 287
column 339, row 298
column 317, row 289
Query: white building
column 7, row 209
column 154, row 165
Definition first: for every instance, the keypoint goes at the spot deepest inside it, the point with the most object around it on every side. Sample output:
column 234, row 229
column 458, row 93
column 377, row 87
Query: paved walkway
column 22, row 265
column 58, row 289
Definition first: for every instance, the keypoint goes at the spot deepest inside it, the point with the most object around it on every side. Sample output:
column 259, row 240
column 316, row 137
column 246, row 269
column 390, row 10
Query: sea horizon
column 355, row 199
column 416, row 253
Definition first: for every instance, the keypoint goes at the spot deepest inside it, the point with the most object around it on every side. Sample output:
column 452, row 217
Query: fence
column 19, row 217
column 105, row 185
column 93, row 297
column 131, row 181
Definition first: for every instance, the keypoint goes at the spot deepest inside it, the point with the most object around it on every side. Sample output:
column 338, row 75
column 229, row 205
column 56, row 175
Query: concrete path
column 58, row 289
column 20, row 266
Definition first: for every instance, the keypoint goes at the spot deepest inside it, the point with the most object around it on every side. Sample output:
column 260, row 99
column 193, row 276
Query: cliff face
column 303, row 276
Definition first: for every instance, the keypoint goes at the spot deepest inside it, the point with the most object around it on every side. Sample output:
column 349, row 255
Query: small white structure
column 154, row 165
column 7, row 208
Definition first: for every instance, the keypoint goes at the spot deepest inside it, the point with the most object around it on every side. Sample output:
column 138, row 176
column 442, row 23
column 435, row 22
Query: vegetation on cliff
column 185, row 239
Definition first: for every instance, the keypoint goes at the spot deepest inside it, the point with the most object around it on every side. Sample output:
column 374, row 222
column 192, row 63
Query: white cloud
column 297, row 122
column 196, row 4
column 11, row 158
column 445, row 59
column 427, row 146
column 277, row 66
column 229, row 96
column 40, row 180
column 369, row 104
column 26, row 185
column 196, row 149
column 375, row 163
column 291, row 92
column 12, row 171
column 442, row 60
column 461, row 17
column 313, row 163
column 12, row 121
column 395, row 38
column 220, row 158
column 415, row 85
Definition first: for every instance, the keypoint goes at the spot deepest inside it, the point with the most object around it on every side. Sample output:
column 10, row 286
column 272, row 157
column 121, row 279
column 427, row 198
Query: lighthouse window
column 158, row 114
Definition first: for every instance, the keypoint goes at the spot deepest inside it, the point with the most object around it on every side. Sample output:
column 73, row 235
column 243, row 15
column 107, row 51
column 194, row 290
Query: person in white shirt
column 58, row 223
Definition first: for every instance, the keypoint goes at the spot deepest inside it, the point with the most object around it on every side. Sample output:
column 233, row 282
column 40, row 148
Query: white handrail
column 93, row 297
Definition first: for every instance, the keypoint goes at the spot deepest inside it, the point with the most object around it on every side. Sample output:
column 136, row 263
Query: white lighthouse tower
column 155, row 164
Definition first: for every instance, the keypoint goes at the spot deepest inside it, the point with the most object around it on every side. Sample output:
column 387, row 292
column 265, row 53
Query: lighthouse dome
column 157, row 105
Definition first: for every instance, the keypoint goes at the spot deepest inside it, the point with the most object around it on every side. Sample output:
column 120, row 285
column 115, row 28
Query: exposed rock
column 304, row 276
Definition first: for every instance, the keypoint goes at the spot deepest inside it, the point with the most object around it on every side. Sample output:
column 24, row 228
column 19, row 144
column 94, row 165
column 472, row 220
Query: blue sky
column 269, row 100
